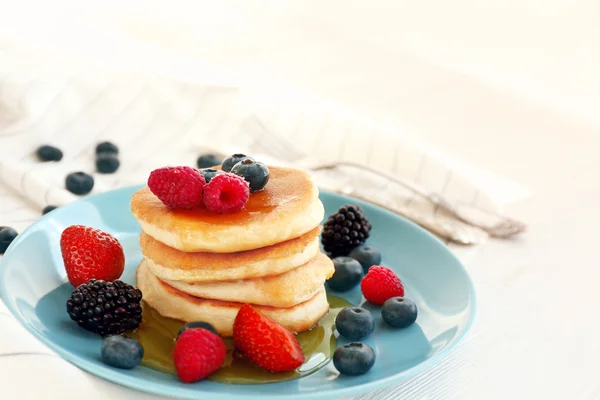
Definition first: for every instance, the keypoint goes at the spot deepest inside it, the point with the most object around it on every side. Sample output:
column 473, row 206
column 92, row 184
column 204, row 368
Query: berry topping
column 177, row 187
column 355, row 323
column 107, row 147
column 79, row 183
column 399, row 312
column 49, row 153
column 348, row 273
column 345, row 230
column 209, row 173
column 89, row 253
column 7, row 235
column 122, row 352
column 107, row 163
column 381, row 284
column 354, row 359
column 106, row 308
column 198, row 353
column 226, row 193
column 229, row 162
column 367, row 256
column 208, row 160
column 255, row 173
column 47, row 209
column 266, row 343
column 197, row 324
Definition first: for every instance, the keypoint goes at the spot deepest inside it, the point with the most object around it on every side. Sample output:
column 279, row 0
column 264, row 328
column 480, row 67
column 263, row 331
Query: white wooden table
column 502, row 87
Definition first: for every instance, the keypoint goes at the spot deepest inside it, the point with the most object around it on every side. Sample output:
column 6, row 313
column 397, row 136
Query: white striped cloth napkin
column 155, row 122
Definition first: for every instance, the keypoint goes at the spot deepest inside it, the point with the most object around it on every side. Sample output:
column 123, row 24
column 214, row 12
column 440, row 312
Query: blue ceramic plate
column 32, row 284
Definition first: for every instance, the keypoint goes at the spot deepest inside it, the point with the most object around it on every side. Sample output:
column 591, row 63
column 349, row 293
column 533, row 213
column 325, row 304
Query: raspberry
column 381, row 284
column 177, row 187
column 198, row 353
column 226, row 193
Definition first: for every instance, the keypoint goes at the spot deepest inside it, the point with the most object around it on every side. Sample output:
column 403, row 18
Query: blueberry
column 197, row 324
column 399, row 312
column 348, row 273
column 47, row 209
column 49, row 153
column 367, row 256
column 229, row 162
column 7, row 235
column 107, row 147
column 79, row 183
column 209, row 173
column 209, row 160
column 122, row 352
column 354, row 359
column 255, row 173
column 355, row 323
column 107, row 163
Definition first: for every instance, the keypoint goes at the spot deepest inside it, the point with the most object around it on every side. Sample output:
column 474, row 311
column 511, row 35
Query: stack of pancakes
column 203, row 266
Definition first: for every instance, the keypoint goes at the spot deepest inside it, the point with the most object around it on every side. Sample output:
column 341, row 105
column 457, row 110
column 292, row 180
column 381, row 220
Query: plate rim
column 148, row 386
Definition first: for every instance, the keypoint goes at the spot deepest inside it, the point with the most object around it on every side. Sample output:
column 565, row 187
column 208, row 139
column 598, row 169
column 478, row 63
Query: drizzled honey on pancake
column 203, row 266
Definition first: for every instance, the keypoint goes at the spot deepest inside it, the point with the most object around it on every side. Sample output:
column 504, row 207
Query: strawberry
column 89, row 253
column 198, row 353
column 266, row 343
column 381, row 284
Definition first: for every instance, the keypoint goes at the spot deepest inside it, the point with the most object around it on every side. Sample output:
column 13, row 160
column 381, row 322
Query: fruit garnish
column 209, row 173
column 399, row 312
column 367, row 256
column 198, row 353
column 348, row 273
column 381, row 284
column 89, row 253
column 107, row 163
column 229, row 162
column 197, row 324
column 354, row 359
column 177, row 187
column 208, row 160
column 106, row 308
column 255, row 173
column 48, row 208
column 226, row 193
column 79, row 183
column 122, row 352
column 49, row 153
column 266, row 343
column 354, row 323
column 7, row 235
column 107, row 147
column 345, row 230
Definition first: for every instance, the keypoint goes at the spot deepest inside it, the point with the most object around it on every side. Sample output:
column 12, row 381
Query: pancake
column 284, row 290
column 286, row 208
column 170, row 264
column 172, row 303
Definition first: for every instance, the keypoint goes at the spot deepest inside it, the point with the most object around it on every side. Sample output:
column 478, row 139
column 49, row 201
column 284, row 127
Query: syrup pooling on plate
column 157, row 335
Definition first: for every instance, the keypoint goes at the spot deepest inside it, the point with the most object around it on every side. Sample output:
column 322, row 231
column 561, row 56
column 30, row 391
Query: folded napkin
column 156, row 122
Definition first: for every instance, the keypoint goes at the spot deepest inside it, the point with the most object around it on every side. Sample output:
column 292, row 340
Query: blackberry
column 345, row 230
column 106, row 308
